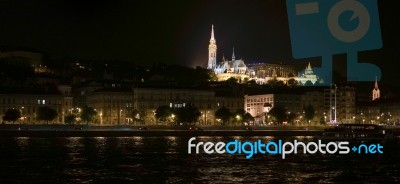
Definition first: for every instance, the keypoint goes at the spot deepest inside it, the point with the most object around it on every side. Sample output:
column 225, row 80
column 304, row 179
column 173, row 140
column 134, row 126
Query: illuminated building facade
column 147, row 100
column 259, row 72
column 113, row 106
column 259, row 105
column 263, row 72
column 28, row 104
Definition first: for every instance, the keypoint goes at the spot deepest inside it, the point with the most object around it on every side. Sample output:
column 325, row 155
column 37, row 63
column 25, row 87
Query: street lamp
column 101, row 118
column 301, row 122
column 173, row 118
column 205, row 122
column 119, row 116
column 22, row 114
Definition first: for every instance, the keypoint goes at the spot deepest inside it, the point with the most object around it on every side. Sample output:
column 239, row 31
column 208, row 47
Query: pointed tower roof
column 233, row 54
column 376, row 93
column 212, row 32
column 309, row 65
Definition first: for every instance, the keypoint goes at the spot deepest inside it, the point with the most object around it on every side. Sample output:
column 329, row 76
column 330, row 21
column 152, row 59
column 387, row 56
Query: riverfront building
column 28, row 103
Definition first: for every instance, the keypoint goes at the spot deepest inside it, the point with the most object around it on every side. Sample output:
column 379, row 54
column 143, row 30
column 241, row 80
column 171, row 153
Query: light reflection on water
column 165, row 160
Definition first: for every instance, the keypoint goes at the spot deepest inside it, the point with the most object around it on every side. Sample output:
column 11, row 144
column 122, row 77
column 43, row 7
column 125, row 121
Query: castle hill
column 225, row 94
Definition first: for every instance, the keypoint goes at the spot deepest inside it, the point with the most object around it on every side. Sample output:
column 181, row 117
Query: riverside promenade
column 15, row 130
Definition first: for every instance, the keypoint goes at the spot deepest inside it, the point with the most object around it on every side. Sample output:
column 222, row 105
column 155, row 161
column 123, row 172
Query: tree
column 224, row 114
column 212, row 76
column 278, row 114
column 309, row 112
column 163, row 113
column 88, row 114
column 70, row 118
column 292, row 83
column 136, row 116
column 239, row 115
column 12, row 115
column 251, row 83
column 231, row 81
column 188, row 114
column 291, row 117
column 46, row 114
column 322, row 121
column 275, row 83
column 247, row 117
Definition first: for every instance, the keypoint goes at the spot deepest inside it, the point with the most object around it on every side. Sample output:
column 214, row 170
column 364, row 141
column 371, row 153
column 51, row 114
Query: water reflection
column 165, row 160
column 22, row 142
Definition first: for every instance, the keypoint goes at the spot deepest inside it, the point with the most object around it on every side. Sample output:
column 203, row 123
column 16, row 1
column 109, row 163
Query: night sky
column 172, row 31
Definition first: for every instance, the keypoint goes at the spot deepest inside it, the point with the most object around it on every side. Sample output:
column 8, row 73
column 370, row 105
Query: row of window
column 177, row 97
column 32, row 101
column 259, row 100
column 179, row 105
column 25, row 110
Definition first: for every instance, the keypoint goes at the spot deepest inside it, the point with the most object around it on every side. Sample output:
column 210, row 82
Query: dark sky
column 171, row 31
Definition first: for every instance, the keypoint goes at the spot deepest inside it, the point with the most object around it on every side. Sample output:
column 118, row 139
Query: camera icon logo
column 327, row 27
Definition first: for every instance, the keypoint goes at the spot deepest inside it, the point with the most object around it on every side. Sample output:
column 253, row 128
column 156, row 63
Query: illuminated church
column 225, row 69
column 308, row 75
column 261, row 73
column 376, row 93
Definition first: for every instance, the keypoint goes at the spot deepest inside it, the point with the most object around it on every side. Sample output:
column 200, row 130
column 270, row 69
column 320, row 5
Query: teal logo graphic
column 280, row 147
column 327, row 27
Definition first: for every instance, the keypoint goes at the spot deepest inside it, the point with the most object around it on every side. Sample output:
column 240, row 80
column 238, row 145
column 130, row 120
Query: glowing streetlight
column 101, row 118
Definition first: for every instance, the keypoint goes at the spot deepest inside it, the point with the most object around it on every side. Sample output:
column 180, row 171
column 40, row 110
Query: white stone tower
column 233, row 54
column 212, row 51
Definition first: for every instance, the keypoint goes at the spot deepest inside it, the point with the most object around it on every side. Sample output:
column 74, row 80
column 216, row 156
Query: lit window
column 43, row 102
column 38, row 102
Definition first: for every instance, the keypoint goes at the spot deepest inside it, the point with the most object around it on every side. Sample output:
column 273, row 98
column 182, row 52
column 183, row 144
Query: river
column 166, row 160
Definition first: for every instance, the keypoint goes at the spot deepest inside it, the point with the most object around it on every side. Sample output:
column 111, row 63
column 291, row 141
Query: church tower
column 233, row 54
column 308, row 70
column 212, row 51
column 376, row 93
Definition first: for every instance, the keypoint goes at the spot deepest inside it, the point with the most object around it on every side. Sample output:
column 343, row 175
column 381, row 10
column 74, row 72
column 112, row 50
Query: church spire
column 233, row 54
column 212, row 51
column 376, row 93
column 212, row 32
column 309, row 65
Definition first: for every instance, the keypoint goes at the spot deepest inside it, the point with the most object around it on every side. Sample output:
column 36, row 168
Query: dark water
column 165, row 160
